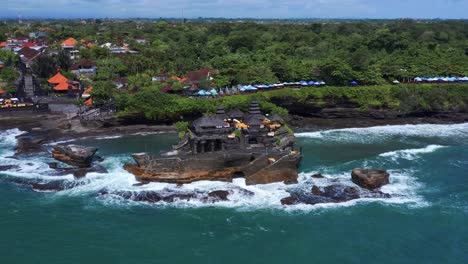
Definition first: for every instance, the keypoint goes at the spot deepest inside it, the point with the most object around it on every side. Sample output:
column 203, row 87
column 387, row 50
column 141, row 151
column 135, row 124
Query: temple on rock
column 234, row 130
column 224, row 146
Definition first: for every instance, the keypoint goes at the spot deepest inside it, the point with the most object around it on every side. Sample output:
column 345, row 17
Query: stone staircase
column 28, row 85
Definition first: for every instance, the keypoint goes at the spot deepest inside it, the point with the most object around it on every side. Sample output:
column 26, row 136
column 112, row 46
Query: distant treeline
column 370, row 52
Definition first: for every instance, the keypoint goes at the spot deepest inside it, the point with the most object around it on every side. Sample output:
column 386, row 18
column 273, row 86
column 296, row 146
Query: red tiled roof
column 2, row 91
column 69, row 42
column 58, row 78
column 29, row 44
column 28, row 53
column 88, row 91
column 89, row 102
column 177, row 78
column 3, row 44
column 64, row 87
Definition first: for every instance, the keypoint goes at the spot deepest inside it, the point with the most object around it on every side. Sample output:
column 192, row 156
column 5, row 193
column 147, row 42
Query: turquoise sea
column 425, row 221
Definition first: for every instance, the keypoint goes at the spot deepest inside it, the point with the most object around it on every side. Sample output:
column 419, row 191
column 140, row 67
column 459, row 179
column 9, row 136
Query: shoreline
column 62, row 128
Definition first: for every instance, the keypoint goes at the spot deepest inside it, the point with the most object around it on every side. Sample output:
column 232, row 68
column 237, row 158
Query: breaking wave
column 377, row 133
column 410, row 154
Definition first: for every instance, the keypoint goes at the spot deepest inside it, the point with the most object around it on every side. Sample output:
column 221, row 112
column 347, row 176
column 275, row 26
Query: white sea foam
column 410, row 154
column 369, row 134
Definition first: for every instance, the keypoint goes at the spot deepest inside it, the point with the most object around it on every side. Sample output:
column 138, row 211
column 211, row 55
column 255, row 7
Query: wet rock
column 53, row 165
column 290, row 181
column 378, row 195
column 74, row 155
column 290, row 200
column 9, row 167
column 309, row 198
column 316, row 190
column 44, row 186
column 79, row 172
column 32, row 142
column 340, row 193
column 28, row 144
column 98, row 158
column 220, row 195
column 317, row 176
column 370, row 179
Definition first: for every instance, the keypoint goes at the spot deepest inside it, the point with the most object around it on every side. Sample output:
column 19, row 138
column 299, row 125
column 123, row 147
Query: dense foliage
column 371, row 52
column 155, row 105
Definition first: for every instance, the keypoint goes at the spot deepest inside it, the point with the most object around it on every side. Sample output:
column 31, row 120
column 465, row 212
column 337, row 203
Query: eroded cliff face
column 345, row 108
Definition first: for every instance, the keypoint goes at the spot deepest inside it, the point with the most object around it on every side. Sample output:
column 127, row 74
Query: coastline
column 63, row 128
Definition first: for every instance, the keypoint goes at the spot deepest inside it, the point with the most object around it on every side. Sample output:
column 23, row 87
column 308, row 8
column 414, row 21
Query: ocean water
column 425, row 221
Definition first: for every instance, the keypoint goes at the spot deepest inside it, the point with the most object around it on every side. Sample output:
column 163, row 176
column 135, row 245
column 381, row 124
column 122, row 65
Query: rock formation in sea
column 224, row 146
column 74, row 155
column 370, row 179
column 339, row 192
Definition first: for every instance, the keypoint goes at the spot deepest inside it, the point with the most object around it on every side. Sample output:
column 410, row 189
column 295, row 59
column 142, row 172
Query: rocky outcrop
column 74, row 155
column 257, row 168
column 283, row 170
column 370, row 179
column 336, row 193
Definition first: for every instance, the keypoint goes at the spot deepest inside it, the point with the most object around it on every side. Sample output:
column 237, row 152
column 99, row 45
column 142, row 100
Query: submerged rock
column 74, row 155
column 8, row 167
column 370, row 179
column 220, row 195
column 318, row 176
column 79, row 172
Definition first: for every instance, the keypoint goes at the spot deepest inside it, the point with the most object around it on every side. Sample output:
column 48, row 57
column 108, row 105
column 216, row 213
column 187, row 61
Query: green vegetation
column 237, row 132
column 373, row 53
column 155, row 105
column 181, row 127
column 370, row 52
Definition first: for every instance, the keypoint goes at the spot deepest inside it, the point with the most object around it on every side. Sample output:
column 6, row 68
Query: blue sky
column 452, row 9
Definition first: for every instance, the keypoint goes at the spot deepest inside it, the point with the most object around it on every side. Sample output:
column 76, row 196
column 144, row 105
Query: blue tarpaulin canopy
column 353, row 83
column 213, row 92
column 203, row 93
column 311, row 82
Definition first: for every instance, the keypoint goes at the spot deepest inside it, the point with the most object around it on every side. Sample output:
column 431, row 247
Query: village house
column 160, row 77
column 121, row 83
column 69, row 45
column 141, row 40
column 83, row 68
column 28, row 55
column 60, row 83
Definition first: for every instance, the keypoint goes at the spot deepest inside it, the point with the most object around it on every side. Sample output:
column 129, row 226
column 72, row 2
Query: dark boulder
column 220, row 195
column 28, row 144
column 318, row 176
column 290, row 200
column 8, row 167
column 340, row 193
column 53, row 165
column 309, row 198
column 316, row 190
column 370, row 179
column 79, row 172
column 74, row 155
